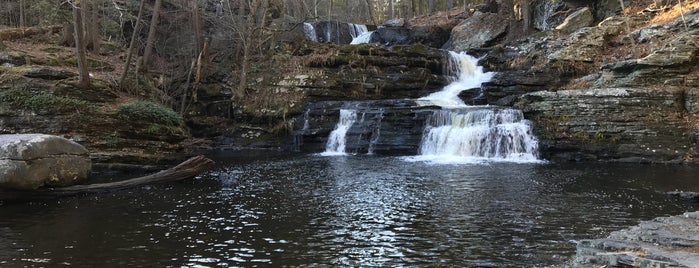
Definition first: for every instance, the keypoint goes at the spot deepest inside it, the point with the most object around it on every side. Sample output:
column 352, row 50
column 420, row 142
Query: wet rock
column 48, row 73
column 689, row 196
column 576, row 20
column 610, row 124
column 661, row 242
column 390, row 36
column 478, row 30
column 386, row 127
column 692, row 101
column 547, row 14
column 400, row 22
column 432, row 36
column 607, row 8
column 12, row 58
column 30, row 161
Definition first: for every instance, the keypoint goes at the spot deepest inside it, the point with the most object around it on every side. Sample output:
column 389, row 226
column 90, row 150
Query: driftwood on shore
column 187, row 169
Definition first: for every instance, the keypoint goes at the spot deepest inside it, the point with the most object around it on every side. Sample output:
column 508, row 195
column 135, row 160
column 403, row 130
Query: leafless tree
column 84, row 75
column 148, row 51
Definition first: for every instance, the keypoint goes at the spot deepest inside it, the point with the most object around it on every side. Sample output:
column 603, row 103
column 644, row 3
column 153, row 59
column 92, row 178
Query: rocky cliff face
column 641, row 108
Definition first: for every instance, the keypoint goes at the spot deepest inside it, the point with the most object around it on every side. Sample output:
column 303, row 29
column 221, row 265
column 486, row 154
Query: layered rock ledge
column 662, row 242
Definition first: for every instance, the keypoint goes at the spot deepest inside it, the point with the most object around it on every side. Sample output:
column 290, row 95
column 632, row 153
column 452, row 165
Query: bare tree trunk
column 183, row 100
column 185, row 170
column 391, row 11
column 88, row 11
column 430, row 6
column 371, row 11
column 330, row 9
column 198, row 36
column 22, row 19
column 151, row 34
column 83, row 73
column 93, row 27
column 136, row 29
column 526, row 17
column 416, row 7
column 315, row 9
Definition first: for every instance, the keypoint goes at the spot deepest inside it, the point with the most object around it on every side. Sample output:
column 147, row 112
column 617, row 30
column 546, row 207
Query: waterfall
column 478, row 135
column 306, row 118
column 356, row 29
column 360, row 34
column 376, row 133
column 362, row 38
column 464, row 74
column 337, row 140
column 459, row 133
column 310, row 32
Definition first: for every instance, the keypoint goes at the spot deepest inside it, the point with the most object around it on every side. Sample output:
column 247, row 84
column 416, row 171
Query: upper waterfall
column 464, row 74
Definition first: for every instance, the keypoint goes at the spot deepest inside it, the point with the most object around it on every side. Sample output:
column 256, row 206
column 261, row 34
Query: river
column 267, row 209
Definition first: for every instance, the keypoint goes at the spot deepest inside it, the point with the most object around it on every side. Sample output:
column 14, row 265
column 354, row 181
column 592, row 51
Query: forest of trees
column 179, row 37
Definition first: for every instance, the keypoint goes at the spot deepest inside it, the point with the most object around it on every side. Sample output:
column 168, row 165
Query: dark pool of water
column 345, row 211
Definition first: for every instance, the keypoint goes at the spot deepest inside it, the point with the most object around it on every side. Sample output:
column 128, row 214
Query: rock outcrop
column 30, row 161
column 355, row 72
column 611, row 124
column 662, row 242
column 576, row 20
column 478, row 30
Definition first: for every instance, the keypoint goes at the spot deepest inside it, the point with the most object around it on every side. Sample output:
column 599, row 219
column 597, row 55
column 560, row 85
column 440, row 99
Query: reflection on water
column 345, row 211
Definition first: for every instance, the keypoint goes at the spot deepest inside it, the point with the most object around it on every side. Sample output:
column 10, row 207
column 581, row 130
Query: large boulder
column 577, row 20
column 391, row 36
column 479, row 30
column 30, row 161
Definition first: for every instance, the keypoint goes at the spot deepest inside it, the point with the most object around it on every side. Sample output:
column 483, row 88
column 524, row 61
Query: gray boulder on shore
column 30, row 161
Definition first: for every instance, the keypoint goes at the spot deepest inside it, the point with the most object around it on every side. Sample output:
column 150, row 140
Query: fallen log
column 17, row 33
column 187, row 169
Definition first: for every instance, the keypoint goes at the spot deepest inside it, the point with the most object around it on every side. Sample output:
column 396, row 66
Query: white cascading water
column 357, row 29
column 464, row 73
column 310, row 32
column 362, row 38
column 478, row 135
column 461, row 133
column 337, row 139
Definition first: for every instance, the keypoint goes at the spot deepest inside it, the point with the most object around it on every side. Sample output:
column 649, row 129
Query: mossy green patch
column 151, row 112
column 43, row 102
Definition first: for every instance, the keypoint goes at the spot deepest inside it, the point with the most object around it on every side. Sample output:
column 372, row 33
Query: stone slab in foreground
column 30, row 161
column 661, row 242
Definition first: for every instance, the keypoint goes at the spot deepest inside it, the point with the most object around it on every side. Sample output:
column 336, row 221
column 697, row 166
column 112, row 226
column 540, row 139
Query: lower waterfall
column 476, row 135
